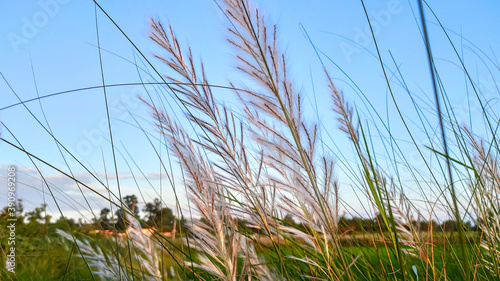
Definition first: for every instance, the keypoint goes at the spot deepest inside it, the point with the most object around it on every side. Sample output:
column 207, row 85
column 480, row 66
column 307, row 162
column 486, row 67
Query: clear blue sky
column 57, row 39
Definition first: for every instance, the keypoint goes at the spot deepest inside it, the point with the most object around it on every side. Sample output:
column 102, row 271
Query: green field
column 57, row 259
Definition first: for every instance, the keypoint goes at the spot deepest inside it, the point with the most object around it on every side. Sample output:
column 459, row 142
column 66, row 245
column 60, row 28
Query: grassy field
column 60, row 261
column 264, row 201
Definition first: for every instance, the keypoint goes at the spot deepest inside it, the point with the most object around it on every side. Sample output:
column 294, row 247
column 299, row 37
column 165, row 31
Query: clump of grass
column 264, row 161
column 142, row 246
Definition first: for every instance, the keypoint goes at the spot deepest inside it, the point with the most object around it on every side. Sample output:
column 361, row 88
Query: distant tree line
column 156, row 215
column 375, row 224
column 37, row 222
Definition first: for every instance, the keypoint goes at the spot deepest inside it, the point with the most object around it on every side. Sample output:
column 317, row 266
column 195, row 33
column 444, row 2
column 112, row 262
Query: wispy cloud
column 74, row 199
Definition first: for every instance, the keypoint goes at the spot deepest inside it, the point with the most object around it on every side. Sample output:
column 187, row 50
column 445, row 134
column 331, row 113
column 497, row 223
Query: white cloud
column 76, row 200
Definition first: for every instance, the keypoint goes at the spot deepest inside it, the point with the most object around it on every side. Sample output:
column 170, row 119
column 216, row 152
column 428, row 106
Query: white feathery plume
column 486, row 194
column 141, row 245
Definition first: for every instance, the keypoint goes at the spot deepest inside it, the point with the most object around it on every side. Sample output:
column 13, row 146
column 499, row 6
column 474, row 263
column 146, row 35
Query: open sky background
column 50, row 46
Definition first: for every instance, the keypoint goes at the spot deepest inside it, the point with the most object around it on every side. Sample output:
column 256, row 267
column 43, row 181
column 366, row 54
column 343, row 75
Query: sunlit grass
column 243, row 170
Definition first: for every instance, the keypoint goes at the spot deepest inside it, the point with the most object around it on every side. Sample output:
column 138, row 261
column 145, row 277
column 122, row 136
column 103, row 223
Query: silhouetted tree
column 449, row 225
column 130, row 201
column 104, row 220
column 165, row 219
column 152, row 209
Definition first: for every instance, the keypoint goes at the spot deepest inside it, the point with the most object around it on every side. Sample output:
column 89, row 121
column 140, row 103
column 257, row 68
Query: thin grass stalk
column 456, row 211
column 109, row 123
column 220, row 129
column 372, row 177
column 31, row 157
column 257, row 51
